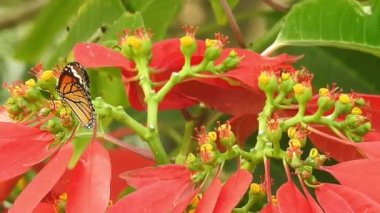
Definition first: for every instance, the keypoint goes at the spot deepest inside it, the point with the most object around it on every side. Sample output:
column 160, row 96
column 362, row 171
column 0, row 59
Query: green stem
column 186, row 142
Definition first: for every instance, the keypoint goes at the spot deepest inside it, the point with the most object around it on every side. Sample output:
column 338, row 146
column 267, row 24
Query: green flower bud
column 267, row 82
column 303, row 93
column 287, row 83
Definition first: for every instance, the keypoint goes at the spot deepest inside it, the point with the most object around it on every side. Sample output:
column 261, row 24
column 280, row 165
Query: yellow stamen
column 263, row 78
column 313, row 153
column 63, row 196
column 356, row 111
column 344, row 98
column 134, row 42
column 190, row 158
column 323, row 91
column 186, row 41
column 294, row 143
column 30, row 83
column 292, row 132
column 206, row 147
column 211, row 42
column 299, row 88
column 47, row 75
column 255, row 188
column 212, row 135
column 285, row 76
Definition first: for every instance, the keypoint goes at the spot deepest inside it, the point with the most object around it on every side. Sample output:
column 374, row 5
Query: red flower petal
column 337, row 148
column 338, row 198
column 361, row 175
column 31, row 196
column 156, row 197
column 373, row 109
column 46, row 208
column 94, row 56
column 371, row 149
column 124, row 160
column 232, row 191
column 6, row 188
column 89, row 187
column 140, row 178
column 290, row 199
column 270, row 209
column 243, row 126
column 21, row 147
column 210, row 197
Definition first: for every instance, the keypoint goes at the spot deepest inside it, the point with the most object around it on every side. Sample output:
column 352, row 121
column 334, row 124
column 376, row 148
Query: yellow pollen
column 323, row 91
column 21, row 184
column 344, row 98
column 64, row 111
column 292, row 132
column 212, row 135
column 294, row 143
column 211, row 42
column 313, row 153
column 206, row 147
column 263, row 78
column 134, row 42
column 356, row 111
column 194, row 202
column 274, row 200
column 186, row 41
column 47, row 75
column 299, row 88
column 285, row 76
column 63, row 196
column 30, row 83
column 255, row 188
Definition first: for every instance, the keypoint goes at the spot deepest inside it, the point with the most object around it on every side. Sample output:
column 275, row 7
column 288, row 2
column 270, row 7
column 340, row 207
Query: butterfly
column 74, row 89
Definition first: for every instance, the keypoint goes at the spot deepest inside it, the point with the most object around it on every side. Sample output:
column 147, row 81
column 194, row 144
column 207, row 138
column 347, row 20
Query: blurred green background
column 33, row 31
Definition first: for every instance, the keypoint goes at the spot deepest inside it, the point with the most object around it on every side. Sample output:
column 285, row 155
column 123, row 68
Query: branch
column 276, row 6
column 233, row 24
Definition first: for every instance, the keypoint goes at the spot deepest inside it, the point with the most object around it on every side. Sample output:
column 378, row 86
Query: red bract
column 238, row 96
column 338, row 198
column 21, row 147
column 166, row 188
column 232, row 191
column 290, row 199
column 360, row 175
column 210, row 197
column 87, row 185
column 124, row 160
column 373, row 109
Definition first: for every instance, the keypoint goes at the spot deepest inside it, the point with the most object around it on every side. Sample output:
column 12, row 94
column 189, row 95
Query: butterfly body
column 74, row 89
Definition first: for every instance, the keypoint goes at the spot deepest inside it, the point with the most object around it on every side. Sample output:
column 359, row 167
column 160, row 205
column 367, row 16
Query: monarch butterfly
column 74, row 89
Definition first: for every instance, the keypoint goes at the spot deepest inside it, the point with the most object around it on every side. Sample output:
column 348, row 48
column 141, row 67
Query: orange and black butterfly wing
column 73, row 88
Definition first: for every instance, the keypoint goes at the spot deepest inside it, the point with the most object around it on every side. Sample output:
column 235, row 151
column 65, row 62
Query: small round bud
column 356, row 111
column 344, row 99
column 47, row 75
column 30, row 83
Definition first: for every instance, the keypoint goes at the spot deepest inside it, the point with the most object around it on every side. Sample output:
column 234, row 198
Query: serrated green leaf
column 218, row 10
column 50, row 22
column 158, row 14
column 91, row 17
column 79, row 145
column 127, row 20
column 339, row 23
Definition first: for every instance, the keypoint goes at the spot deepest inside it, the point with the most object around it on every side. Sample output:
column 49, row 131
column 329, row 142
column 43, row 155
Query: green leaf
column 349, row 69
column 106, row 83
column 125, row 21
column 218, row 10
column 338, row 23
column 50, row 22
column 93, row 15
column 158, row 14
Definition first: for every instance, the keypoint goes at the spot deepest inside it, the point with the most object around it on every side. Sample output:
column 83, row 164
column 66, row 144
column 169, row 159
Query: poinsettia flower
column 238, row 97
column 21, row 147
column 169, row 188
column 87, row 186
